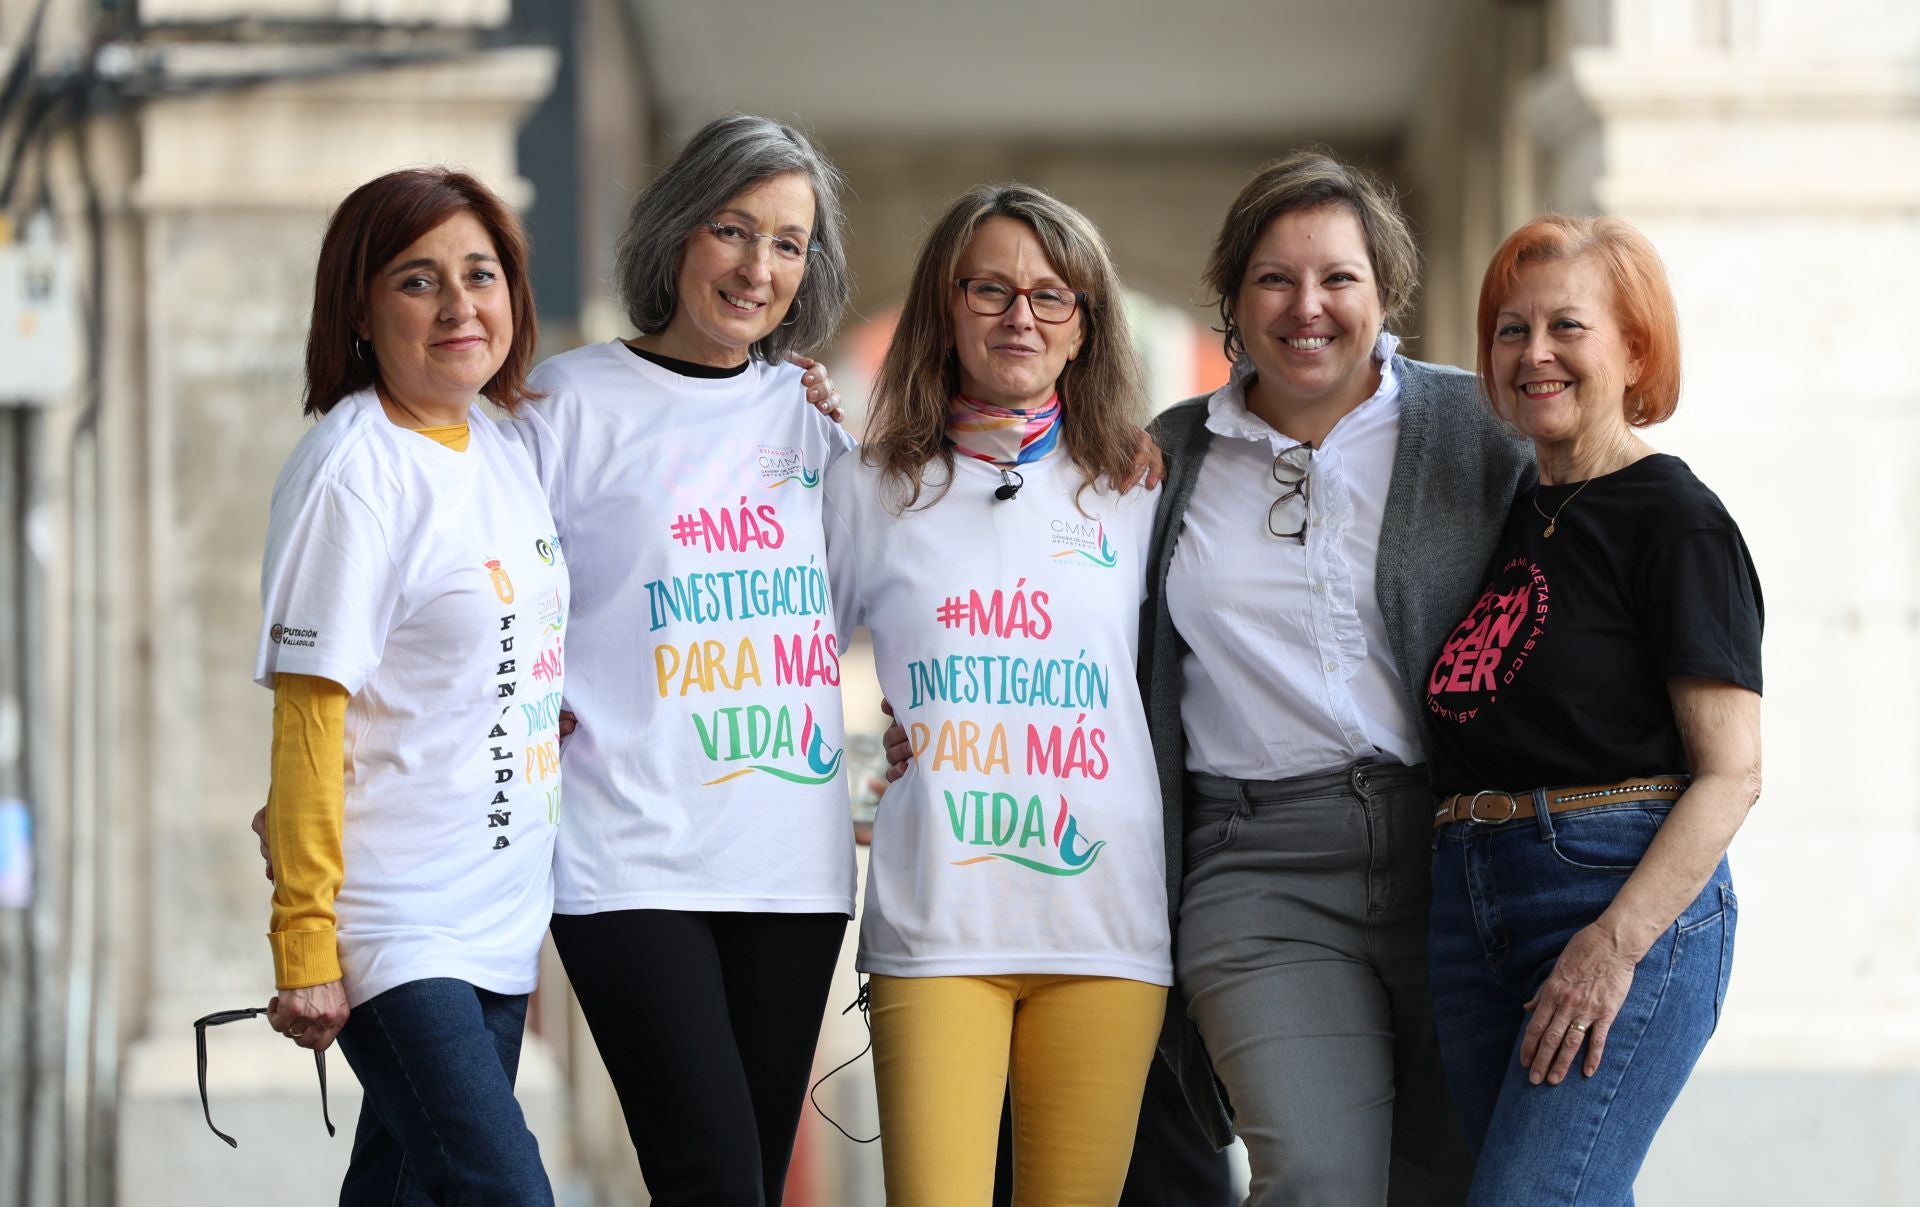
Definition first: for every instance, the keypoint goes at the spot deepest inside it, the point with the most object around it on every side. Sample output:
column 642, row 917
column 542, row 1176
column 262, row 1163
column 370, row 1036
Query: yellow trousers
column 1077, row 1047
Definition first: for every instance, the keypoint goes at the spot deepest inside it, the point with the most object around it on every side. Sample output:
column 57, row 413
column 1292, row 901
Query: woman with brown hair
column 1324, row 516
column 1014, row 929
column 704, row 876
column 415, row 608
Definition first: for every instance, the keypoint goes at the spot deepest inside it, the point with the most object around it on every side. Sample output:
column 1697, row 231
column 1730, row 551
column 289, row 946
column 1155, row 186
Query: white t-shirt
column 1026, row 835
column 429, row 584
column 706, row 772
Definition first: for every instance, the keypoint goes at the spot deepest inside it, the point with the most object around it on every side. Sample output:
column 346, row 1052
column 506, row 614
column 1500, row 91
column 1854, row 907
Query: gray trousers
column 1302, row 952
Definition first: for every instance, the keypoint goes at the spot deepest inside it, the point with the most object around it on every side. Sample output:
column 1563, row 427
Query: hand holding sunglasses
column 220, row 1017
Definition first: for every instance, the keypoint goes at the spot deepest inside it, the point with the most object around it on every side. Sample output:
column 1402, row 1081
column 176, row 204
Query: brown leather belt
column 1491, row 808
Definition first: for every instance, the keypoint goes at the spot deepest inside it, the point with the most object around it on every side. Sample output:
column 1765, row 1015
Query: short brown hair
column 1307, row 180
column 1642, row 300
column 377, row 222
column 1102, row 396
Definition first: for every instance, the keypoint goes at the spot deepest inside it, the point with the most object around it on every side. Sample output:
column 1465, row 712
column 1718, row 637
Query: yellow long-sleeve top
column 306, row 810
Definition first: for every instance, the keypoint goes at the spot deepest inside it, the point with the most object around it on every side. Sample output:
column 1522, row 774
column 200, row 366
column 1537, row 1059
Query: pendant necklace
column 1554, row 519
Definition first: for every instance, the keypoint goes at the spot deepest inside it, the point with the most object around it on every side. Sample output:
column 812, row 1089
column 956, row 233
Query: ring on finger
column 1577, row 1028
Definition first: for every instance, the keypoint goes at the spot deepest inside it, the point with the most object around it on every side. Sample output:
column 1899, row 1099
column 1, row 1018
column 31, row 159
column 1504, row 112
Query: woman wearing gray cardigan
column 1326, row 516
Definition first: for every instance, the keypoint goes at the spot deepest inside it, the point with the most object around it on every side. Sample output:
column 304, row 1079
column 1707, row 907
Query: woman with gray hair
column 1325, row 517
column 704, row 869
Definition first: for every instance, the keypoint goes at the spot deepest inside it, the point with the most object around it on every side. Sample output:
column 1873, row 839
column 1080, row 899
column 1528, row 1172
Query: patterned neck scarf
column 1001, row 435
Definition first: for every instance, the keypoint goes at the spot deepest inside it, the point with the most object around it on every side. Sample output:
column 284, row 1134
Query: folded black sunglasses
column 218, row 1017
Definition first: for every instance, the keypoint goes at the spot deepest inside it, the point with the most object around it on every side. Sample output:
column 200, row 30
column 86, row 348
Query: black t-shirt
column 1558, row 675
column 688, row 368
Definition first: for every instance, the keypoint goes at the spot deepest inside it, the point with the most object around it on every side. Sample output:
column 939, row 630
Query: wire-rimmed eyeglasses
column 787, row 248
column 1291, row 470
column 215, row 1019
column 1049, row 303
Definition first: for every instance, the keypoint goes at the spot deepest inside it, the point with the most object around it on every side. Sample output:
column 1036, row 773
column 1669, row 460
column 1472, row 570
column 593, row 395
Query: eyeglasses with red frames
column 1049, row 303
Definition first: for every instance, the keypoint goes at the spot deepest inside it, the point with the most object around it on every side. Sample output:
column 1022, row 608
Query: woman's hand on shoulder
column 310, row 1017
column 1576, row 1006
column 821, row 394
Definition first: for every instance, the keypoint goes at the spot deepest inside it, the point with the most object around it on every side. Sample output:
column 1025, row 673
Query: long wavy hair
column 1102, row 395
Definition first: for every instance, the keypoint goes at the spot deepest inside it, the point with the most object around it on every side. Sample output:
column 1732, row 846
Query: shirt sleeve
column 534, row 434
column 843, row 561
column 1704, row 612
column 305, row 811
column 330, row 588
column 840, row 442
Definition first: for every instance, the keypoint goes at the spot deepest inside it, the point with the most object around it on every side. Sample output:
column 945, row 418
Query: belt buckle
column 1473, row 808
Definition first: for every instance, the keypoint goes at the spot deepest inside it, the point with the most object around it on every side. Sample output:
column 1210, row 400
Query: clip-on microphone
column 1010, row 484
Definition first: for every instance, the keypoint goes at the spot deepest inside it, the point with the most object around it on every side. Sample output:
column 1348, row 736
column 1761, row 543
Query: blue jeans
column 1506, row 899
column 439, row 1124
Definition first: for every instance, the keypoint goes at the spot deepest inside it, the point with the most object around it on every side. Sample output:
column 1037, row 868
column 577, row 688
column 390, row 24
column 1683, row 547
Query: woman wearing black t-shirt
column 1595, row 726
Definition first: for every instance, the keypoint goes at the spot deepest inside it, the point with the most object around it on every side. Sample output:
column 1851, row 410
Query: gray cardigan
column 1455, row 473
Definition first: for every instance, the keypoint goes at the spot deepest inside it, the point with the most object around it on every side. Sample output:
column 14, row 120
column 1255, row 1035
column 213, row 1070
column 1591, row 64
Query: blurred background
column 166, row 167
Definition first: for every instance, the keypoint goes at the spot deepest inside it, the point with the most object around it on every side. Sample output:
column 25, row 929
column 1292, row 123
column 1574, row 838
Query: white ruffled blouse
column 1289, row 670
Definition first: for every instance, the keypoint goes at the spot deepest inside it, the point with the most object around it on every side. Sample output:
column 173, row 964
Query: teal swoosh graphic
column 1092, row 853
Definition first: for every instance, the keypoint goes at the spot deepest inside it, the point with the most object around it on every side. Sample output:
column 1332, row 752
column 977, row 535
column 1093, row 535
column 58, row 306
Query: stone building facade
column 1770, row 148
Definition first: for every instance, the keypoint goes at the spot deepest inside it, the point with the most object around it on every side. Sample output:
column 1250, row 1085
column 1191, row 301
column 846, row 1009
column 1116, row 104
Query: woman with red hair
column 1594, row 723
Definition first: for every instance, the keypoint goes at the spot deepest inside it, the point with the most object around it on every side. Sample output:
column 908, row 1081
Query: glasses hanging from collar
column 1292, row 470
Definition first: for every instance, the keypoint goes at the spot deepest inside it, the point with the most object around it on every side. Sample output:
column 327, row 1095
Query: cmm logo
column 779, row 466
column 1084, row 540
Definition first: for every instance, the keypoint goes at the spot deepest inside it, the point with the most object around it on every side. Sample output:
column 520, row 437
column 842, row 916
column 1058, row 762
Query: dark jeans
column 1302, row 953
column 1506, row 898
column 707, row 1024
column 439, row 1124
column 1173, row 1163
